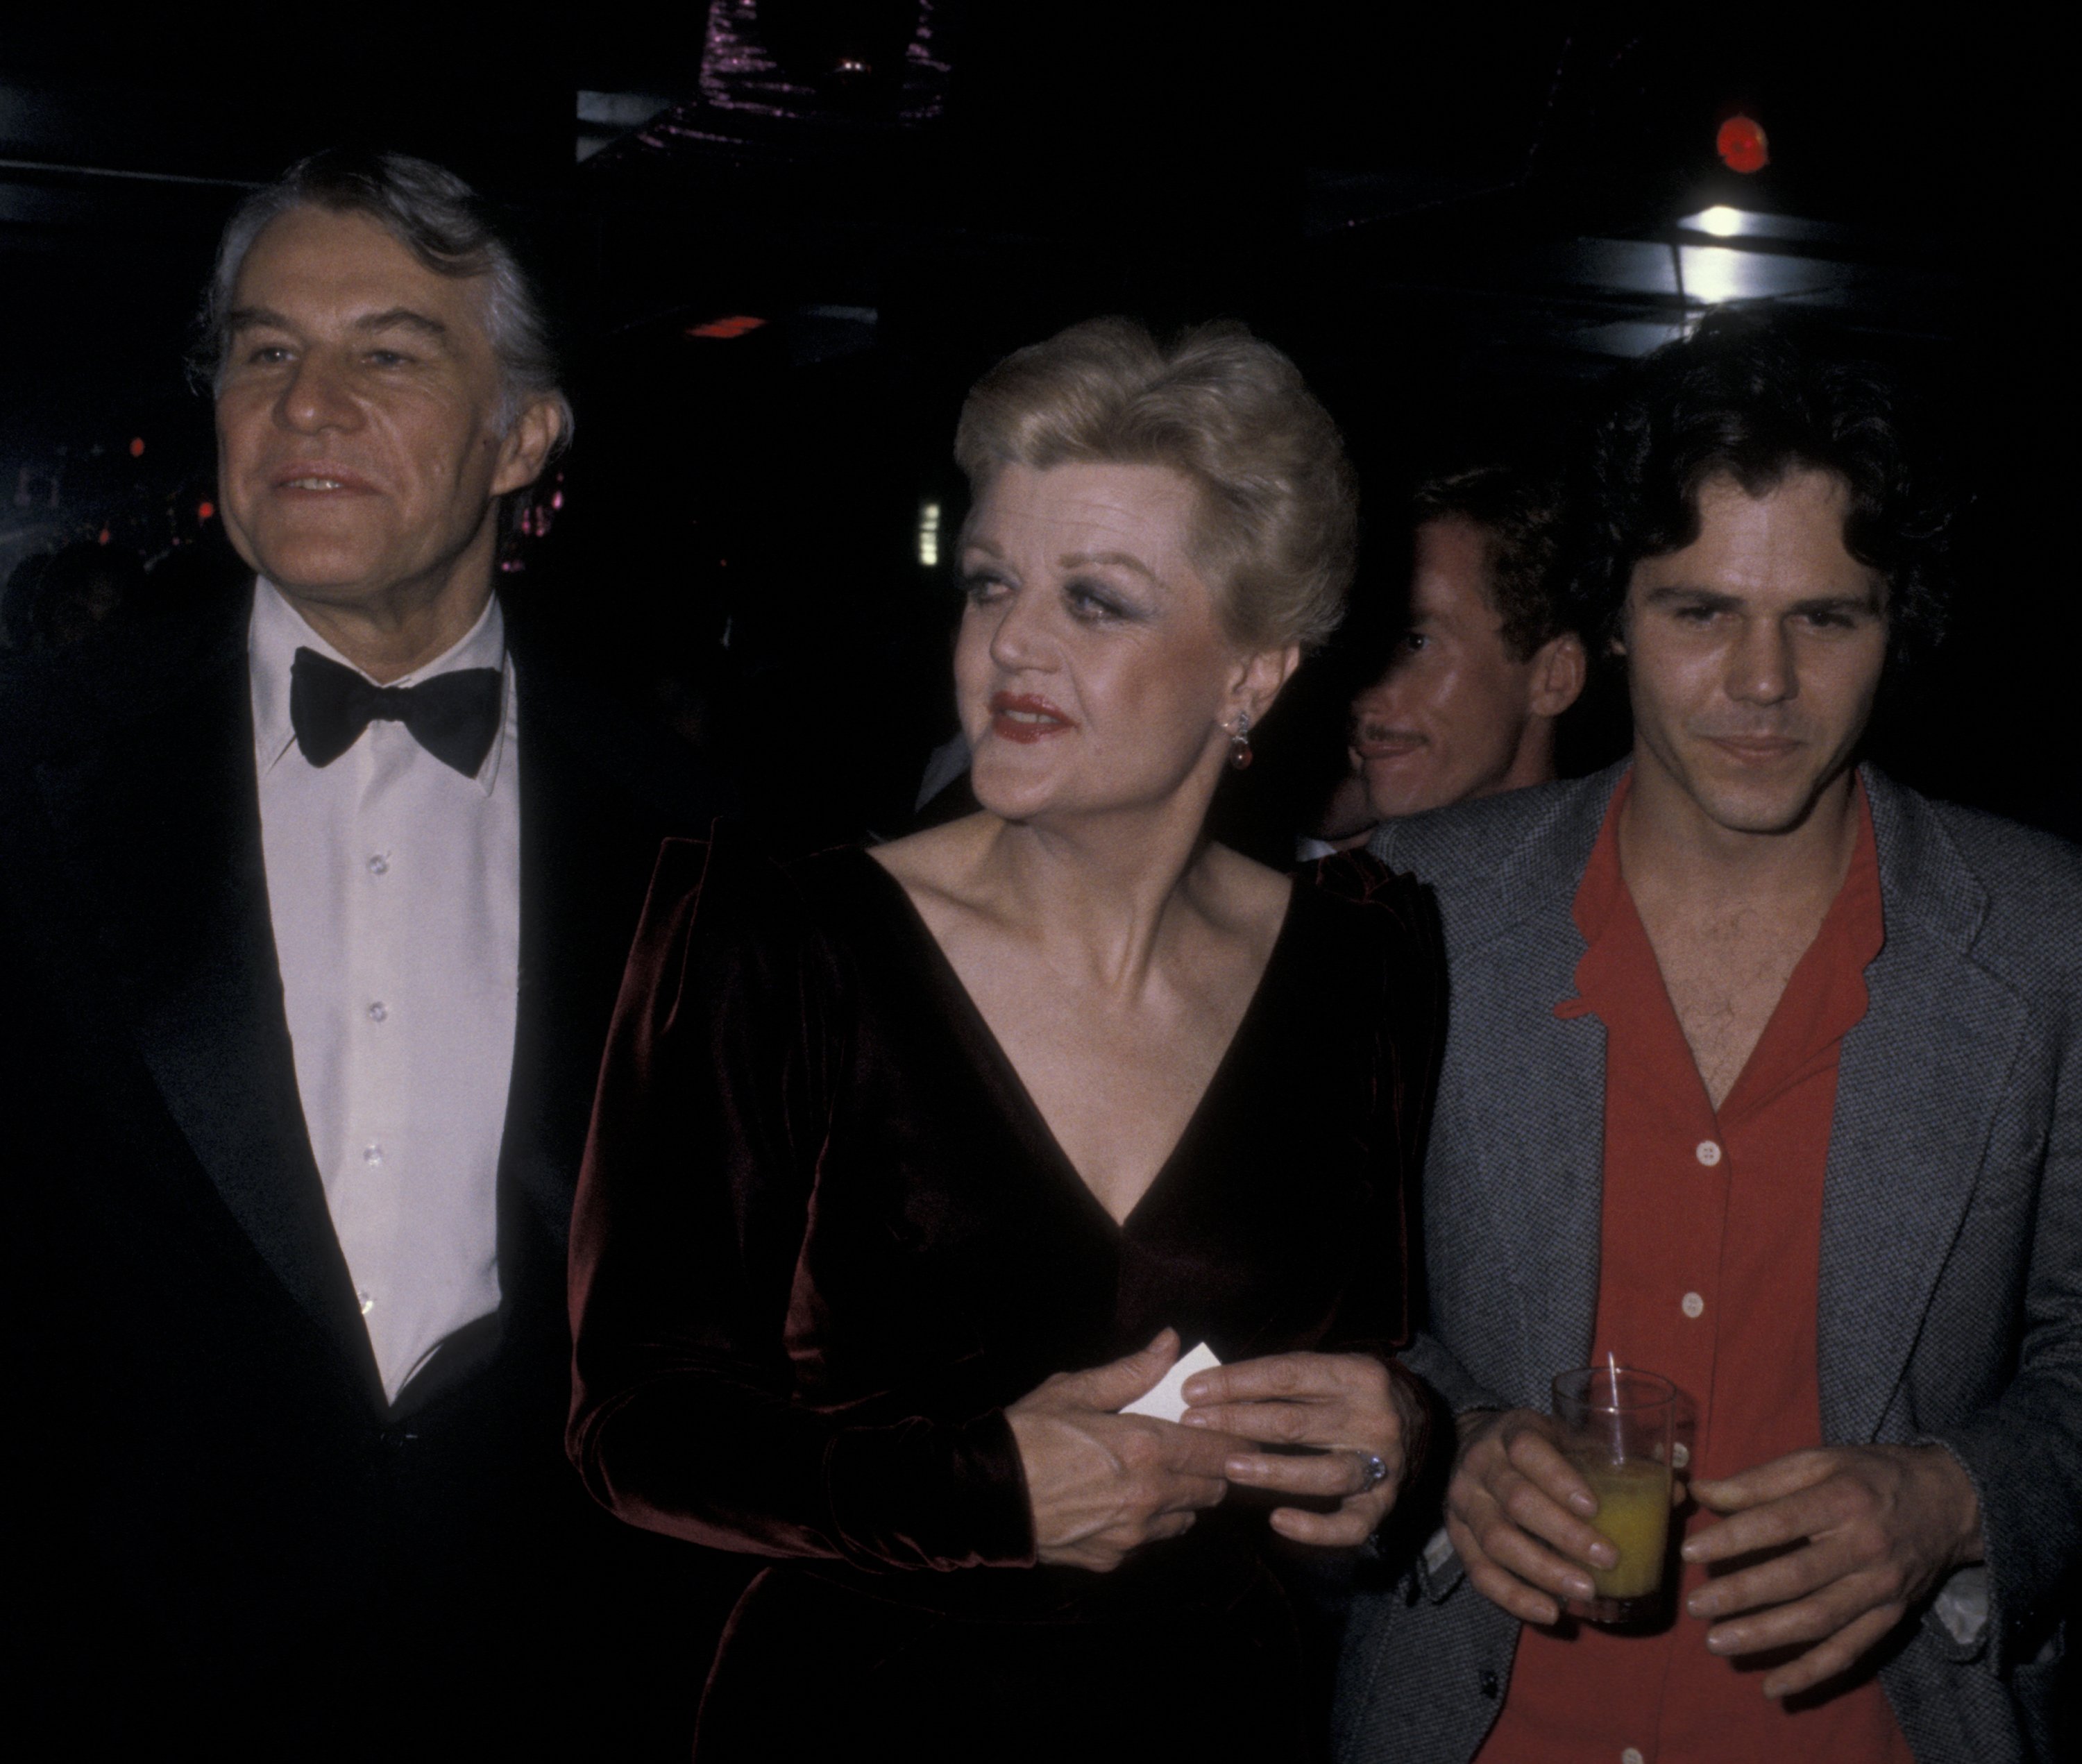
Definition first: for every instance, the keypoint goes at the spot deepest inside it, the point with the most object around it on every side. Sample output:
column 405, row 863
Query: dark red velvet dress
column 824, row 1238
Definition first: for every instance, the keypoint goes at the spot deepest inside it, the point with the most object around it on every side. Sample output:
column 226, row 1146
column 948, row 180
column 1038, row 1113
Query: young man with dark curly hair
column 1764, row 1075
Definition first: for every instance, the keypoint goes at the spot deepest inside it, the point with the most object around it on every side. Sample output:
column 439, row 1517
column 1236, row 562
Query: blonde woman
column 914, row 1167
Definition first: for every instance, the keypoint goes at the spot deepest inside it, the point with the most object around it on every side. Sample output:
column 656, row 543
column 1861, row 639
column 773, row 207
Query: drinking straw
column 1619, row 1431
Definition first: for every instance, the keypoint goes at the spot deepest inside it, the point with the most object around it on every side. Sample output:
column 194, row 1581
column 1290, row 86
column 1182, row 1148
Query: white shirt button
column 1632, row 1755
column 1680, row 1456
column 372, row 1153
column 378, row 1011
column 1691, row 1304
column 368, row 1303
column 1709, row 1153
column 380, row 864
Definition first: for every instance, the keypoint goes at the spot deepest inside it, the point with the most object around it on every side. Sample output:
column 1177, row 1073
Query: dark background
column 1456, row 222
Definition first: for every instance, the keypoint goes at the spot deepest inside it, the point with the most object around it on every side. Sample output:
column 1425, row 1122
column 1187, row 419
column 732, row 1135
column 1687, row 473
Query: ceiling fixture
column 1741, row 145
column 1713, row 273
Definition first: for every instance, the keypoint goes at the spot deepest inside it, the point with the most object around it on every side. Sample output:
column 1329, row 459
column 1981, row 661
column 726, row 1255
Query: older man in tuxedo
column 316, row 908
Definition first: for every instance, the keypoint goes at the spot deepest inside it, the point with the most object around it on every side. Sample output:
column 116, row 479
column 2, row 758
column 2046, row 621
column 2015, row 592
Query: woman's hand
column 1102, row 1484
column 1345, row 1404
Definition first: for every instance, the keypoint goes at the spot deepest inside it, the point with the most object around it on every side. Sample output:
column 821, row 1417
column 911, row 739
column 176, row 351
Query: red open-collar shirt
column 1709, row 1274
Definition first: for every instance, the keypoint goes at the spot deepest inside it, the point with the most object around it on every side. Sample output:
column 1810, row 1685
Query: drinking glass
column 1616, row 1424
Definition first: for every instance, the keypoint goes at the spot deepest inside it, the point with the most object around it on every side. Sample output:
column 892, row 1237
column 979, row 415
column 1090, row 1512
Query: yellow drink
column 1633, row 1512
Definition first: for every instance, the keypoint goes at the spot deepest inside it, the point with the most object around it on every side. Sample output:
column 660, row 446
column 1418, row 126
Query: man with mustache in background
column 319, row 902
column 1482, row 673
column 1764, row 1075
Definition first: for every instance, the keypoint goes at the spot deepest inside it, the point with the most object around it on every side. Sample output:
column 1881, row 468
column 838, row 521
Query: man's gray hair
column 437, row 216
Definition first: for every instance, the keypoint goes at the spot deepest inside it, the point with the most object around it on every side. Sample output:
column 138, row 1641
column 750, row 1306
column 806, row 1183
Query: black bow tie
column 454, row 717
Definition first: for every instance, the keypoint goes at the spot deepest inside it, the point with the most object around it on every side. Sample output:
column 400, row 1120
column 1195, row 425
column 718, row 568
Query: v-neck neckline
column 1000, row 1067
column 1619, row 964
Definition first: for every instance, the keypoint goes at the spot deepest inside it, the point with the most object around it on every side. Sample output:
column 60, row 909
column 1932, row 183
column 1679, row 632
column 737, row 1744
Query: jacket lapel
column 1527, row 1099
column 1543, row 1164
column 535, row 1184
column 1919, row 1084
column 157, row 832
column 595, row 802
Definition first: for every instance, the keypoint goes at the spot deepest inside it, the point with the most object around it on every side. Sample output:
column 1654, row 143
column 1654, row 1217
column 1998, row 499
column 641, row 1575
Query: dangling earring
column 1239, row 743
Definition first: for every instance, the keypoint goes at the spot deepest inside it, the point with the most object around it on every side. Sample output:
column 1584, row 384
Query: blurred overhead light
column 604, row 118
column 1742, row 145
column 929, row 535
column 1713, row 274
column 735, row 326
column 620, row 110
column 1724, row 222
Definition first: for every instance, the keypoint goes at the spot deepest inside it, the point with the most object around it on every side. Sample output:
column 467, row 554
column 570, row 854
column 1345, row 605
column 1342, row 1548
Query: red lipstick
column 1023, row 717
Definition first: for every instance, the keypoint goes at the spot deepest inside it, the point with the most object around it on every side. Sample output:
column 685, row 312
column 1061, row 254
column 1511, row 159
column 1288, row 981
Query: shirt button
column 1680, row 1456
column 380, row 864
column 1631, row 1755
column 378, row 1011
column 1709, row 1153
column 372, row 1153
column 1691, row 1304
column 368, row 1303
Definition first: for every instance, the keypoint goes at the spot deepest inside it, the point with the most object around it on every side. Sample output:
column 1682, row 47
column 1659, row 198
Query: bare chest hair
column 1726, row 970
column 1116, row 1079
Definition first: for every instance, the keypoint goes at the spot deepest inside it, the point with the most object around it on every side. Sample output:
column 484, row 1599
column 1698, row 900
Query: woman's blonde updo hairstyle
column 1278, row 528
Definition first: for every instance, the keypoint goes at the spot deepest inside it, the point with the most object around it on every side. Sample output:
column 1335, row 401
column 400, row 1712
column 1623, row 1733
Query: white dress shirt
column 394, row 882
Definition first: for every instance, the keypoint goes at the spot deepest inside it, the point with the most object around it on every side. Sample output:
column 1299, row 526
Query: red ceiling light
column 136, row 446
column 1741, row 145
column 204, row 509
column 736, row 327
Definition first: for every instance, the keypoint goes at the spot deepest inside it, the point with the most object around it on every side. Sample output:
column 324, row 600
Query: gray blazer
column 1951, row 1289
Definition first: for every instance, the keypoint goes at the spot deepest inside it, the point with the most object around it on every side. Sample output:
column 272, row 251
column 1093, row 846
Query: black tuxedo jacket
column 229, row 1537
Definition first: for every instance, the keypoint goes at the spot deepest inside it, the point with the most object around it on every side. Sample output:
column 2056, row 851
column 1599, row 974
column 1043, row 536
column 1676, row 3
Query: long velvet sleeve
column 727, row 1059
column 1400, row 970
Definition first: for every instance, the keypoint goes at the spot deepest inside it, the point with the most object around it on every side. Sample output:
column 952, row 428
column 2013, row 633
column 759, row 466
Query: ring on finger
column 1373, row 1471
